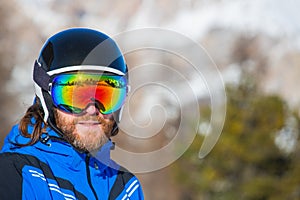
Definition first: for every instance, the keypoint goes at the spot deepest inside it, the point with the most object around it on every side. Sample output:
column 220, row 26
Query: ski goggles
column 73, row 92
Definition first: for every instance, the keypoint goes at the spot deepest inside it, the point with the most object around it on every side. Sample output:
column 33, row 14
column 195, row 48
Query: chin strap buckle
column 44, row 138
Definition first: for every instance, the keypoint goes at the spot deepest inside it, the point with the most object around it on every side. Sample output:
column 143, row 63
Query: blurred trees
column 245, row 163
column 6, row 62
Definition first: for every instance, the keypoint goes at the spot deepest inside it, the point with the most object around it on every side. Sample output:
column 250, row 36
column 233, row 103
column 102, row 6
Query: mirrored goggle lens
column 73, row 92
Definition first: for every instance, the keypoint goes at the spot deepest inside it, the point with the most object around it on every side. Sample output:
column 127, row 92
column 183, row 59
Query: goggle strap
column 40, row 76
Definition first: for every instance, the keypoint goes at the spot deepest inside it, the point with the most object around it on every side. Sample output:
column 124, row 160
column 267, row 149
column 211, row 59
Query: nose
column 92, row 109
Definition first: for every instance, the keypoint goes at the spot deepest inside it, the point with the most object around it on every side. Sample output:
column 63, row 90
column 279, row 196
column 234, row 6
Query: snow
column 273, row 17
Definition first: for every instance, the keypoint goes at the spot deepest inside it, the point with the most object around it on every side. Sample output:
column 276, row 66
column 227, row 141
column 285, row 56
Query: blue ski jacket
column 53, row 169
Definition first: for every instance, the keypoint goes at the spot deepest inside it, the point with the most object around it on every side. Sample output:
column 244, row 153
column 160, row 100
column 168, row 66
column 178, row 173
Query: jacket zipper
column 87, row 162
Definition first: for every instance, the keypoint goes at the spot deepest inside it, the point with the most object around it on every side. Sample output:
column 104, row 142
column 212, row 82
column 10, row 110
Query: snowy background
column 216, row 25
column 269, row 29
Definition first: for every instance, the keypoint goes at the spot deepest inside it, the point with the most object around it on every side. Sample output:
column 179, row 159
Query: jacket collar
column 59, row 150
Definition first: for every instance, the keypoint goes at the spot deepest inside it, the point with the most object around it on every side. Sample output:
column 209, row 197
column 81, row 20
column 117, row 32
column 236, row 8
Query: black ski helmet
column 75, row 49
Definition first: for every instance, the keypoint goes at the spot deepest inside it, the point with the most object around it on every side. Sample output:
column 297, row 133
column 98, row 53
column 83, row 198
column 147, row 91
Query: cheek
column 108, row 126
column 62, row 120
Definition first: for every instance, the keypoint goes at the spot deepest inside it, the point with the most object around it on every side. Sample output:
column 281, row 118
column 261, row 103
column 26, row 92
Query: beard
column 85, row 139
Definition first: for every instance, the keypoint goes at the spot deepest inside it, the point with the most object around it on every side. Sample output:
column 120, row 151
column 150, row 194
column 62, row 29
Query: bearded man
column 61, row 147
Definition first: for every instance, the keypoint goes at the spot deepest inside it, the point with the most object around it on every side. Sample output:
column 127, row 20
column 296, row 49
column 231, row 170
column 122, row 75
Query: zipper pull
column 96, row 166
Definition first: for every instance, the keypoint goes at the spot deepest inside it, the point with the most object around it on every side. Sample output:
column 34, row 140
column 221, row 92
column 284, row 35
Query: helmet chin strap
column 115, row 129
column 117, row 117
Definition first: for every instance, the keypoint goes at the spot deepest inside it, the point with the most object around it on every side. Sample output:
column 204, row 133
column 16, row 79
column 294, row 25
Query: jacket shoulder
column 126, row 186
column 11, row 165
column 23, row 175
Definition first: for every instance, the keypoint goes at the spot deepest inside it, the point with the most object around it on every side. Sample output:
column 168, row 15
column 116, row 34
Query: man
column 61, row 147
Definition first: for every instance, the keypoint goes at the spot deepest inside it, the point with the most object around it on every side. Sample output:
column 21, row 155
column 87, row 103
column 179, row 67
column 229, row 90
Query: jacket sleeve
column 10, row 177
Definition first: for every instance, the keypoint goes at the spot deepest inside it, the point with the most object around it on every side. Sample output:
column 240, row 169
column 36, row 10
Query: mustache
column 89, row 118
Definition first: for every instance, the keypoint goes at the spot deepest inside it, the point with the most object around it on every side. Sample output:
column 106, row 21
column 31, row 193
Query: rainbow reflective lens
column 73, row 92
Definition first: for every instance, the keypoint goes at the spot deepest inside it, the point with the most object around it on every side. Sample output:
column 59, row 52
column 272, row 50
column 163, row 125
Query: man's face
column 88, row 131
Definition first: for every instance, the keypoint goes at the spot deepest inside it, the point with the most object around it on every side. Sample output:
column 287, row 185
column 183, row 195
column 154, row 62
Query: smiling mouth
column 89, row 123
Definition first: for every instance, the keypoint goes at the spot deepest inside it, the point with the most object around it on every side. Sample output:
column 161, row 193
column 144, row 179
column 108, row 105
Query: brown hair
column 39, row 126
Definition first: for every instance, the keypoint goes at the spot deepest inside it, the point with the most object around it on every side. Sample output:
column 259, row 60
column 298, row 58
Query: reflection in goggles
column 73, row 92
